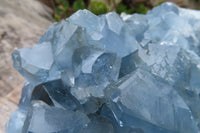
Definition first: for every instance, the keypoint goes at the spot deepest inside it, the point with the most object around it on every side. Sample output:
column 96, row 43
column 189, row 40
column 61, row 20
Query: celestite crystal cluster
column 113, row 74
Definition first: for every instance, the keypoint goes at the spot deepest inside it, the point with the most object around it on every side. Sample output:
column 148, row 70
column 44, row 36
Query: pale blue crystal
column 45, row 119
column 16, row 122
column 104, row 70
column 113, row 74
column 164, row 109
column 114, row 27
column 34, row 62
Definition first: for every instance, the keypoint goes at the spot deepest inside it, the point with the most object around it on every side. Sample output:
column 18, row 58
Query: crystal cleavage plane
column 112, row 74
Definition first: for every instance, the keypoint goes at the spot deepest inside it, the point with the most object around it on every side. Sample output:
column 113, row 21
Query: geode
column 113, row 74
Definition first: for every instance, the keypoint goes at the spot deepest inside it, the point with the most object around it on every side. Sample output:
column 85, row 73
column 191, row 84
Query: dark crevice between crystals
column 40, row 93
column 61, row 94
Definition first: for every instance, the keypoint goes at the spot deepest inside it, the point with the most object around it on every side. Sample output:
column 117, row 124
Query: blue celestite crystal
column 113, row 74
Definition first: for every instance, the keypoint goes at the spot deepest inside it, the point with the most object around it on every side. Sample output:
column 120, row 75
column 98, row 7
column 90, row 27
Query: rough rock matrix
column 113, row 74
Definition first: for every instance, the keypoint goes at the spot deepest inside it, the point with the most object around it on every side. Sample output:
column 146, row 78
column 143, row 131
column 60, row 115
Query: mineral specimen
column 113, row 74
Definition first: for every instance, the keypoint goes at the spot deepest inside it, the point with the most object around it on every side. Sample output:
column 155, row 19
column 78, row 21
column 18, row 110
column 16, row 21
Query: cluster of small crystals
column 113, row 74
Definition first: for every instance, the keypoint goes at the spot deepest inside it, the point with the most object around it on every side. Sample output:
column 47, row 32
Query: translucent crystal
column 113, row 74
column 42, row 118
column 141, row 97
column 16, row 122
column 104, row 70
column 34, row 62
column 117, row 26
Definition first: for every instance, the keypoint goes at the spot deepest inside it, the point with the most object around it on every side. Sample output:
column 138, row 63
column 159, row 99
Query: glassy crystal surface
column 112, row 74
column 41, row 118
column 163, row 111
